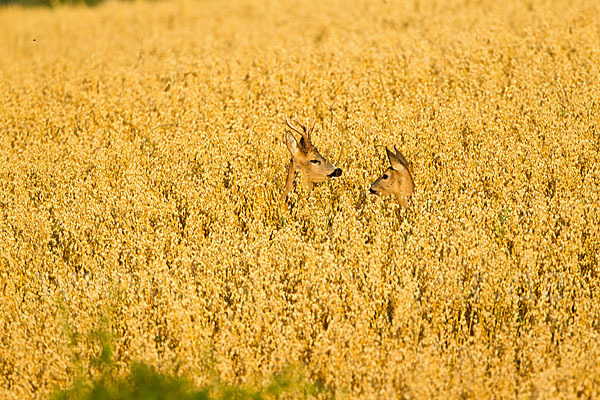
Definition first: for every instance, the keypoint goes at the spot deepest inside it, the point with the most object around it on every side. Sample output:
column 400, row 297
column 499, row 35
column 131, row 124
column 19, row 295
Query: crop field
column 143, row 156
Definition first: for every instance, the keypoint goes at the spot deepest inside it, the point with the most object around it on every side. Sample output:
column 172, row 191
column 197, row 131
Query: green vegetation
column 146, row 382
column 50, row 3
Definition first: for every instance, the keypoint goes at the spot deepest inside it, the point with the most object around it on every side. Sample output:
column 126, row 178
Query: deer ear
column 401, row 158
column 292, row 144
column 394, row 160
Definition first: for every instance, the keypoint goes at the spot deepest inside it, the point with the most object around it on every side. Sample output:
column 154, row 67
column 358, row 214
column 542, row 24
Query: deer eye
column 315, row 162
column 384, row 176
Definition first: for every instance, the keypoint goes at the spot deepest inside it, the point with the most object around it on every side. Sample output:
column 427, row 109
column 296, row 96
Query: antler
column 292, row 127
column 312, row 127
column 305, row 133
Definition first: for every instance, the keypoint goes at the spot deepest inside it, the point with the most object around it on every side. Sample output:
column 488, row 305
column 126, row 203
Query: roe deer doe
column 306, row 159
column 396, row 180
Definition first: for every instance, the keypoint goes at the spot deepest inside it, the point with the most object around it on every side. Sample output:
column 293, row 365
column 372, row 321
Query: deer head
column 396, row 180
column 306, row 159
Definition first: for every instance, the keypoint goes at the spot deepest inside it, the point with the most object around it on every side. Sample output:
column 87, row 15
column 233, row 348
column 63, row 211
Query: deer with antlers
column 306, row 159
column 396, row 180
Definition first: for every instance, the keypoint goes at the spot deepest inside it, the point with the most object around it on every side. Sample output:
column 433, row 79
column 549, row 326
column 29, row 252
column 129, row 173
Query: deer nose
column 337, row 172
column 372, row 191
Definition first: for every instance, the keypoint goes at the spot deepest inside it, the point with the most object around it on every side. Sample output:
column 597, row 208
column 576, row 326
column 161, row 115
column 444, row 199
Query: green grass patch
column 146, row 382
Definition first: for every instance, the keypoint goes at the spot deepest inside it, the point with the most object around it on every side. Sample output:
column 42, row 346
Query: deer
column 306, row 159
column 396, row 180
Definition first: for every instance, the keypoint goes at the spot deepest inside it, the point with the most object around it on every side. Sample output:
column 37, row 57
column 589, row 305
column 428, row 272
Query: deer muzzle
column 336, row 173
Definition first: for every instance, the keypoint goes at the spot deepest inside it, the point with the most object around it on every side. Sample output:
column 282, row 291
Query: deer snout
column 336, row 173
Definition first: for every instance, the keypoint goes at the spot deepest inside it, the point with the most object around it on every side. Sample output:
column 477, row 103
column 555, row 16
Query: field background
column 142, row 158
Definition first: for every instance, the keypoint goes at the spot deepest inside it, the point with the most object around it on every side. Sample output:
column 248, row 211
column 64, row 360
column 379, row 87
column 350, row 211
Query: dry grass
column 142, row 158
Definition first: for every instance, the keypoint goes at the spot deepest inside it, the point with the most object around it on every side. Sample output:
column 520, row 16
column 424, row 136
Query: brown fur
column 306, row 160
column 396, row 180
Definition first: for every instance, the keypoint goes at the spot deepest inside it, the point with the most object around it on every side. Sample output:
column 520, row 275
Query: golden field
column 142, row 157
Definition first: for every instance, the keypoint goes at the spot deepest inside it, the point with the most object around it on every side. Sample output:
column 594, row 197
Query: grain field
column 142, row 159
